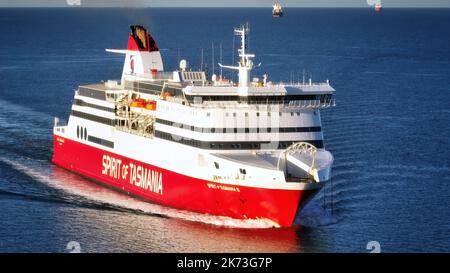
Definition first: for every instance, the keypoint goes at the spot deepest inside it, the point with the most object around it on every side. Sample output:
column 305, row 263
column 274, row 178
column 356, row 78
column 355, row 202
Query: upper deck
column 210, row 95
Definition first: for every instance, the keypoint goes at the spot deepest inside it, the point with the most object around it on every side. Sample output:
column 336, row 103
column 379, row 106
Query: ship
column 251, row 149
column 378, row 7
column 277, row 10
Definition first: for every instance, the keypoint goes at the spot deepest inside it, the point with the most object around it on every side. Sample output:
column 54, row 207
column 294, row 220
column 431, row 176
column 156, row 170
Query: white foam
column 72, row 184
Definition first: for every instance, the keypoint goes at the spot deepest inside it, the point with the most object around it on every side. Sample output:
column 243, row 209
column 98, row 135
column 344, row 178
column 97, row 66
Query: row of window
column 257, row 114
column 95, row 106
column 241, row 171
column 153, row 89
column 81, row 132
column 260, row 99
column 106, row 121
column 240, row 130
column 92, row 93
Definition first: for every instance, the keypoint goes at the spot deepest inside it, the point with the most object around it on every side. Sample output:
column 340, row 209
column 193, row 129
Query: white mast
column 245, row 63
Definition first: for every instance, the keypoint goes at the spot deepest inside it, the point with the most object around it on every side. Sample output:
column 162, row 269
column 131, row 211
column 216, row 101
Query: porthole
column 81, row 132
column 85, row 133
column 78, row 131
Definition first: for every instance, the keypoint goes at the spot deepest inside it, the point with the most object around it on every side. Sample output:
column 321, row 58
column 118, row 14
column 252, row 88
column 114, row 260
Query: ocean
column 389, row 132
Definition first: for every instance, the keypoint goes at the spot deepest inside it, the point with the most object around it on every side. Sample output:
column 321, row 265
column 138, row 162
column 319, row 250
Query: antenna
column 178, row 55
column 221, row 61
column 232, row 57
column 303, row 76
column 201, row 62
column 212, row 46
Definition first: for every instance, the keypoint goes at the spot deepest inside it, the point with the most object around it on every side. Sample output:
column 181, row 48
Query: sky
column 221, row 3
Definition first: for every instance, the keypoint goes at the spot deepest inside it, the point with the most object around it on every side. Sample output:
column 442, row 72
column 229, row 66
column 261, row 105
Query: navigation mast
column 245, row 63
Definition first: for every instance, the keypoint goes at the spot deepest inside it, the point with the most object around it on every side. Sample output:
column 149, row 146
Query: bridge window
column 216, row 165
column 242, row 171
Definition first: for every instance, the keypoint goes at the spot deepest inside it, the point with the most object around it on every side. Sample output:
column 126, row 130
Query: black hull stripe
column 106, row 121
column 101, row 141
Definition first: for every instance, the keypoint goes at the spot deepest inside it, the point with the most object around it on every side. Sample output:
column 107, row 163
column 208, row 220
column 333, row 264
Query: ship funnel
column 142, row 55
column 141, row 40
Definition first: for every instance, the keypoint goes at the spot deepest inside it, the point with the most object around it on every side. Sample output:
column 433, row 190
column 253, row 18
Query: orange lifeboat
column 166, row 94
column 151, row 105
column 143, row 103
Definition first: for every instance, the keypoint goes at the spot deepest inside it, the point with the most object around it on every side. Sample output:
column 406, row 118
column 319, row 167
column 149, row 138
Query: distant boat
column 378, row 7
column 277, row 10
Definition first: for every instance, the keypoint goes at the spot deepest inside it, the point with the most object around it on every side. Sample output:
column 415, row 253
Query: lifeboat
column 166, row 94
column 143, row 103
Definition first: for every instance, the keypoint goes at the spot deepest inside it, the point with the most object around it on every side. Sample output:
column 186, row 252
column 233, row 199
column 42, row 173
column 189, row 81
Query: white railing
column 299, row 104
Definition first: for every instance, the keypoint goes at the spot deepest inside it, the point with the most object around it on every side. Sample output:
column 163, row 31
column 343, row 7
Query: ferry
column 277, row 10
column 378, row 7
column 251, row 149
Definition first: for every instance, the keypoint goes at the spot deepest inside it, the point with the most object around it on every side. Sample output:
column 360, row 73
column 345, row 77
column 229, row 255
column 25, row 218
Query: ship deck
column 267, row 161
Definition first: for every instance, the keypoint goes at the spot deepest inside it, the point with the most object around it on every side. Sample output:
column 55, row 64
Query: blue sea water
column 389, row 133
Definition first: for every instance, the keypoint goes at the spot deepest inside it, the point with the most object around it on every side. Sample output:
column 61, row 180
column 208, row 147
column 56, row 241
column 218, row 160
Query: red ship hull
column 182, row 191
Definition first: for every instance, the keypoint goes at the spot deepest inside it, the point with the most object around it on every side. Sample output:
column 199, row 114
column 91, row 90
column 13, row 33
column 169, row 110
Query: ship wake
column 77, row 190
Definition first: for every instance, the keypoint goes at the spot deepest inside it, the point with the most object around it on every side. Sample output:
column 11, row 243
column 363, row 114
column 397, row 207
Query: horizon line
column 229, row 7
